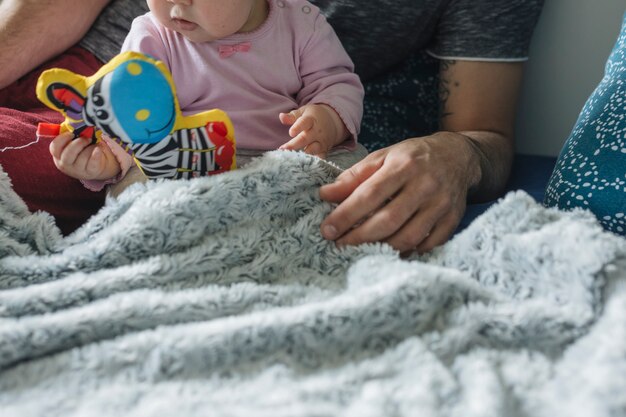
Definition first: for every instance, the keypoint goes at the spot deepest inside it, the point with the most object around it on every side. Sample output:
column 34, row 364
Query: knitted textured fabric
column 591, row 169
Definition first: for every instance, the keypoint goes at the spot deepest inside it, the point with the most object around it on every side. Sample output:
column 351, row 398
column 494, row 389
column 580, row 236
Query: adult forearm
column 32, row 31
column 493, row 154
column 478, row 102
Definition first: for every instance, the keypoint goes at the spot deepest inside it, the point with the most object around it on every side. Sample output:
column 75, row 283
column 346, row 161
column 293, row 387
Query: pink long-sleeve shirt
column 294, row 58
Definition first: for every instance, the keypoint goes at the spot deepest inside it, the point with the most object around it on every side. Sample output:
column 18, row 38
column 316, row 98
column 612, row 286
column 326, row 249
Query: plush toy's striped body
column 132, row 99
column 186, row 153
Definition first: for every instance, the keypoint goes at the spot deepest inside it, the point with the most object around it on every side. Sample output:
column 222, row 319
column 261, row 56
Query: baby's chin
column 197, row 37
column 191, row 31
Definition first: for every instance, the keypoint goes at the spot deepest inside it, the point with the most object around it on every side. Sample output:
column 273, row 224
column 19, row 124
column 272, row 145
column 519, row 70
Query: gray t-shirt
column 380, row 34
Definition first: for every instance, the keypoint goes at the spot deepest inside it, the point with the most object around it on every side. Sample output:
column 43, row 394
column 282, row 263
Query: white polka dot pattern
column 591, row 170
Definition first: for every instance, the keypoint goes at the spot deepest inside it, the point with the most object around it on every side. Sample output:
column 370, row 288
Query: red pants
column 34, row 176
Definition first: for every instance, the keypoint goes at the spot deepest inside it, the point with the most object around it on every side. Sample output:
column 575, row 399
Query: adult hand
column 411, row 195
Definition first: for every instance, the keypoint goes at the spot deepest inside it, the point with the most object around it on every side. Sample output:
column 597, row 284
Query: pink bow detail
column 228, row 50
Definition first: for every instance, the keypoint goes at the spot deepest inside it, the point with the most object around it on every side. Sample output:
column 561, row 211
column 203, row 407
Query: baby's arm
column 328, row 83
column 79, row 159
column 315, row 128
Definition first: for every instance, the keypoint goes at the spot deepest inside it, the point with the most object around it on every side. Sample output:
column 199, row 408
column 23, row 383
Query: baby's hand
column 80, row 159
column 315, row 128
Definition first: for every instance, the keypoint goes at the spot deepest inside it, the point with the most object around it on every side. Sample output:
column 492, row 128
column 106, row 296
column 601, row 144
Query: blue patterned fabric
column 591, row 169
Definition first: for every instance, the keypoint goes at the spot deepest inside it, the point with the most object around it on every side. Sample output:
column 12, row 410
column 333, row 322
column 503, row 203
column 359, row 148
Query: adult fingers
column 406, row 220
column 428, row 228
column 351, row 178
column 364, row 200
column 413, row 233
column 440, row 233
column 385, row 221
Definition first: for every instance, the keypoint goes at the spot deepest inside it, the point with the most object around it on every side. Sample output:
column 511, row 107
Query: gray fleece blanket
column 218, row 296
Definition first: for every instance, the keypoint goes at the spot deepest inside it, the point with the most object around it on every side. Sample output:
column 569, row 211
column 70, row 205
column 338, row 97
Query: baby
column 276, row 67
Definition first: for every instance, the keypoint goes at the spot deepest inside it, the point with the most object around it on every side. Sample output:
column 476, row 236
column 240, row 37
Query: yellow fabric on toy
column 132, row 99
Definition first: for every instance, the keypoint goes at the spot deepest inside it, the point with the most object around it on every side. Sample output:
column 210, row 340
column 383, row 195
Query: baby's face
column 208, row 20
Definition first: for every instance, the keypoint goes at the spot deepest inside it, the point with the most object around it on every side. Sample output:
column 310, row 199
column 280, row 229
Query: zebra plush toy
column 132, row 100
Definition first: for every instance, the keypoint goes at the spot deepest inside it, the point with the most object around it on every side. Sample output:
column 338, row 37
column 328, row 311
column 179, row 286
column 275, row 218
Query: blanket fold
column 220, row 294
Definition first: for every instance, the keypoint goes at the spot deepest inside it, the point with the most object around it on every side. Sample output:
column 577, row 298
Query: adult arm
column 413, row 194
column 478, row 102
column 32, row 31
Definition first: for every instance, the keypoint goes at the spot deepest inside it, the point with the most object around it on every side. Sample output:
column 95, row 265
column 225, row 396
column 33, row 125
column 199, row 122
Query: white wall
column 570, row 46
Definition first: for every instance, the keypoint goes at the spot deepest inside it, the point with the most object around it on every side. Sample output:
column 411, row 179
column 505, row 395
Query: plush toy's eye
column 97, row 100
column 102, row 115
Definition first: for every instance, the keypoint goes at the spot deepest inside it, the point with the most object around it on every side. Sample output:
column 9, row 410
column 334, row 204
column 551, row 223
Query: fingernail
column 329, row 232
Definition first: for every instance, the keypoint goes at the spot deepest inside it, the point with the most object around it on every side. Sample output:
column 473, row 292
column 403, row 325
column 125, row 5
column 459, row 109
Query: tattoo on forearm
column 445, row 84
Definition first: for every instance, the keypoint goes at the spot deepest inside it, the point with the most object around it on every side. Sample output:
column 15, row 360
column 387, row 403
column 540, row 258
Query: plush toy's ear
column 63, row 91
column 65, row 98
